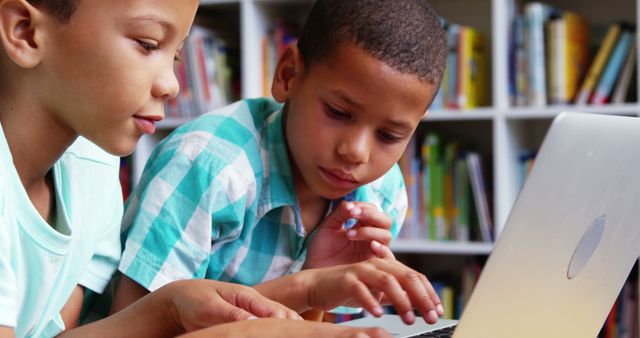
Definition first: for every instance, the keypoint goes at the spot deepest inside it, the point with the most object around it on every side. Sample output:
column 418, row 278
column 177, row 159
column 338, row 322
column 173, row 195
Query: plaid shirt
column 217, row 201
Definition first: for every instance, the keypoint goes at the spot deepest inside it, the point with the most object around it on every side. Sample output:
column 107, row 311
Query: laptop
column 568, row 245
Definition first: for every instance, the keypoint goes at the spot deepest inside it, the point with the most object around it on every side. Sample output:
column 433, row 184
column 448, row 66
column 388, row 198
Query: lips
column 147, row 123
column 339, row 178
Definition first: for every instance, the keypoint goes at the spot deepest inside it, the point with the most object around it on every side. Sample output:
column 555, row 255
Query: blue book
column 603, row 90
column 536, row 15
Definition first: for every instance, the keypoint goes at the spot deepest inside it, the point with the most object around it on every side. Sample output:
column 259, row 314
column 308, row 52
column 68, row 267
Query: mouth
column 147, row 123
column 339, row 178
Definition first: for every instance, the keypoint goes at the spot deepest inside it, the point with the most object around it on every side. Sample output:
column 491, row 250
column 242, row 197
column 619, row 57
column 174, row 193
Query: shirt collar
column 278, row 189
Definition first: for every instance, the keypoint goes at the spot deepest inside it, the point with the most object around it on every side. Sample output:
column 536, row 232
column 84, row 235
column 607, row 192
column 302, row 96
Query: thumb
column 341, row 214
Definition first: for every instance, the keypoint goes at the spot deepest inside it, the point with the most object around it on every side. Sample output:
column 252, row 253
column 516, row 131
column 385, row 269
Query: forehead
column 178, row 13
column 370, row 82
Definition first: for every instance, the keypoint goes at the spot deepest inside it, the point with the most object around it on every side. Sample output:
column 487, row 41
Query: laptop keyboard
column 446, row 332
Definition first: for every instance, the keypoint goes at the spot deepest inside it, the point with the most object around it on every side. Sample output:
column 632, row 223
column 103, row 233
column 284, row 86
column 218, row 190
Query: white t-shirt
column 40, row 265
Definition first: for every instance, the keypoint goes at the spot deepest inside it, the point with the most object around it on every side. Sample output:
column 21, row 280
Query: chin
column 121, row 149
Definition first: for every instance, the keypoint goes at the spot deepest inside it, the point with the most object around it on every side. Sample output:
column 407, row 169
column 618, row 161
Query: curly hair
column 60, row 9
column 405, row 34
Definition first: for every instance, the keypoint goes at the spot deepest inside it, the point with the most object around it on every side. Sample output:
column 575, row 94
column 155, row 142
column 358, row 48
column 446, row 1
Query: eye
column 388, row 137
column 148, row 46
column 336, row 114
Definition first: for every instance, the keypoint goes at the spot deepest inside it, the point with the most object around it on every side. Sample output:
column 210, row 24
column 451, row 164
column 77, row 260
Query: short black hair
column 405, row 34
column 60, row 9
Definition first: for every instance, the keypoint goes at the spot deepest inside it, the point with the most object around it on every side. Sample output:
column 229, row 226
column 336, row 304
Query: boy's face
column 107, row 72
column 349, row 120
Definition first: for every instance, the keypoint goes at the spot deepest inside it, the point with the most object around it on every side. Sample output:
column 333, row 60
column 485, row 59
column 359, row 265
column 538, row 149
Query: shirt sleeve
column 107, row 254
column 394, row 198
column 169, row 226
column 8, row 305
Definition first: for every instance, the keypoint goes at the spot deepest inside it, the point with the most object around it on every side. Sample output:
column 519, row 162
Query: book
column 536, row 14
column 611, row 72
column 480, row 195
column 595, row 70
column 568, row 43
column 622, row 86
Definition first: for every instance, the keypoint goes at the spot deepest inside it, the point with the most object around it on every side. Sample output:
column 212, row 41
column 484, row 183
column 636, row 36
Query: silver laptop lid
column 571, row 239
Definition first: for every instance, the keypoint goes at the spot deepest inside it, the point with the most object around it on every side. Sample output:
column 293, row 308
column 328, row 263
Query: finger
column 372, row 216
column 260, row 306
column 343, row 212
column 421, row 295
column 386, row 282
column 382, row 236
column 433, row 294
column 381, row 251
column 363, row 295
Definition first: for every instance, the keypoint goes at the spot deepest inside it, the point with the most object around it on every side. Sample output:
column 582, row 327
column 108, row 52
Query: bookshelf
column 500, row 129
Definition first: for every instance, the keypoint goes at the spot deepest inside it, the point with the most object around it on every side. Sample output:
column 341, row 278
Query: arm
column 70, row 313
column 6, row 332
column 184, row 306
column 127, row 292
column 284, row 328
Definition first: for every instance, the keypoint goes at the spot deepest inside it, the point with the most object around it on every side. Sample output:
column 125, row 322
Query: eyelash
column 384, row 136
column 150, row 47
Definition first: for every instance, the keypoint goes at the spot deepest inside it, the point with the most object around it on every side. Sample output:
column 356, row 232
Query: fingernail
column 252, row 318
column 377, row 311
column 409, row 317
column 349, row 223
column 350, row 206
column 356, row 211
column 432, row 316
column 440, row 310
column 352, row 233
column 376, row 244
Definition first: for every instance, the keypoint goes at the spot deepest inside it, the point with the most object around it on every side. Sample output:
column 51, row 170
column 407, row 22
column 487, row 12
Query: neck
column 36, row 138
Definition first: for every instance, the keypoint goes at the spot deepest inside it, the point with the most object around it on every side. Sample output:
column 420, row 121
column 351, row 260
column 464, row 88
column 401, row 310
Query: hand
column 202, row 303
column 363, row 285
column 287, row 328
column 332, row 245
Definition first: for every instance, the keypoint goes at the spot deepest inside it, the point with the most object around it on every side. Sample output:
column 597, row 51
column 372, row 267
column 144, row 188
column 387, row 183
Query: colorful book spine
column 536, row 14
column 622, row 86
column 595, row 70
column 602, row 93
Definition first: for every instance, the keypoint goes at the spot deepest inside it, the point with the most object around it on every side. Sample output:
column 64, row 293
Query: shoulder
column 387, row 191
column 231, row 135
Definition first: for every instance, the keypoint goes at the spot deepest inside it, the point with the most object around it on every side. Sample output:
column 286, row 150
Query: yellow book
column 589, row 83
column 448, row 302
column 577, row 53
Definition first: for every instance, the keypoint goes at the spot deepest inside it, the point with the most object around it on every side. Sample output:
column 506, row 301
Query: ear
column 290, row 67
column 19, row 32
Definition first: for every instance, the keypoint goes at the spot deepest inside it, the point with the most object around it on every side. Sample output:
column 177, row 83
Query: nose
column 355, row 147
column 166, row 85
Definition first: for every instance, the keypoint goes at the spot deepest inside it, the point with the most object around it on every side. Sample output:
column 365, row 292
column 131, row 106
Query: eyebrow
column 149, row 20
column 344, row 97
column 404, row 126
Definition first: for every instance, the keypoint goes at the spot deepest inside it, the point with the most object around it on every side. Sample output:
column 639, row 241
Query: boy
column 253, row 192
column 73, row 71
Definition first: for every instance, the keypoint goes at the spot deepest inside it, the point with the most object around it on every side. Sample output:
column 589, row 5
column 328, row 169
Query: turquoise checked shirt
column 216, row 201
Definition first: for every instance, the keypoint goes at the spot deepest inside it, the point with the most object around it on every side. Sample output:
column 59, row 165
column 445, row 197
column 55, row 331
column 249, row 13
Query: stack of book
column 551, row 63
column 622, row 321
column 447, row 192
column 203, row 74
column 465, row 82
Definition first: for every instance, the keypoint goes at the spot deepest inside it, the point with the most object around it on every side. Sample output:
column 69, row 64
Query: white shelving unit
column 509, row 129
